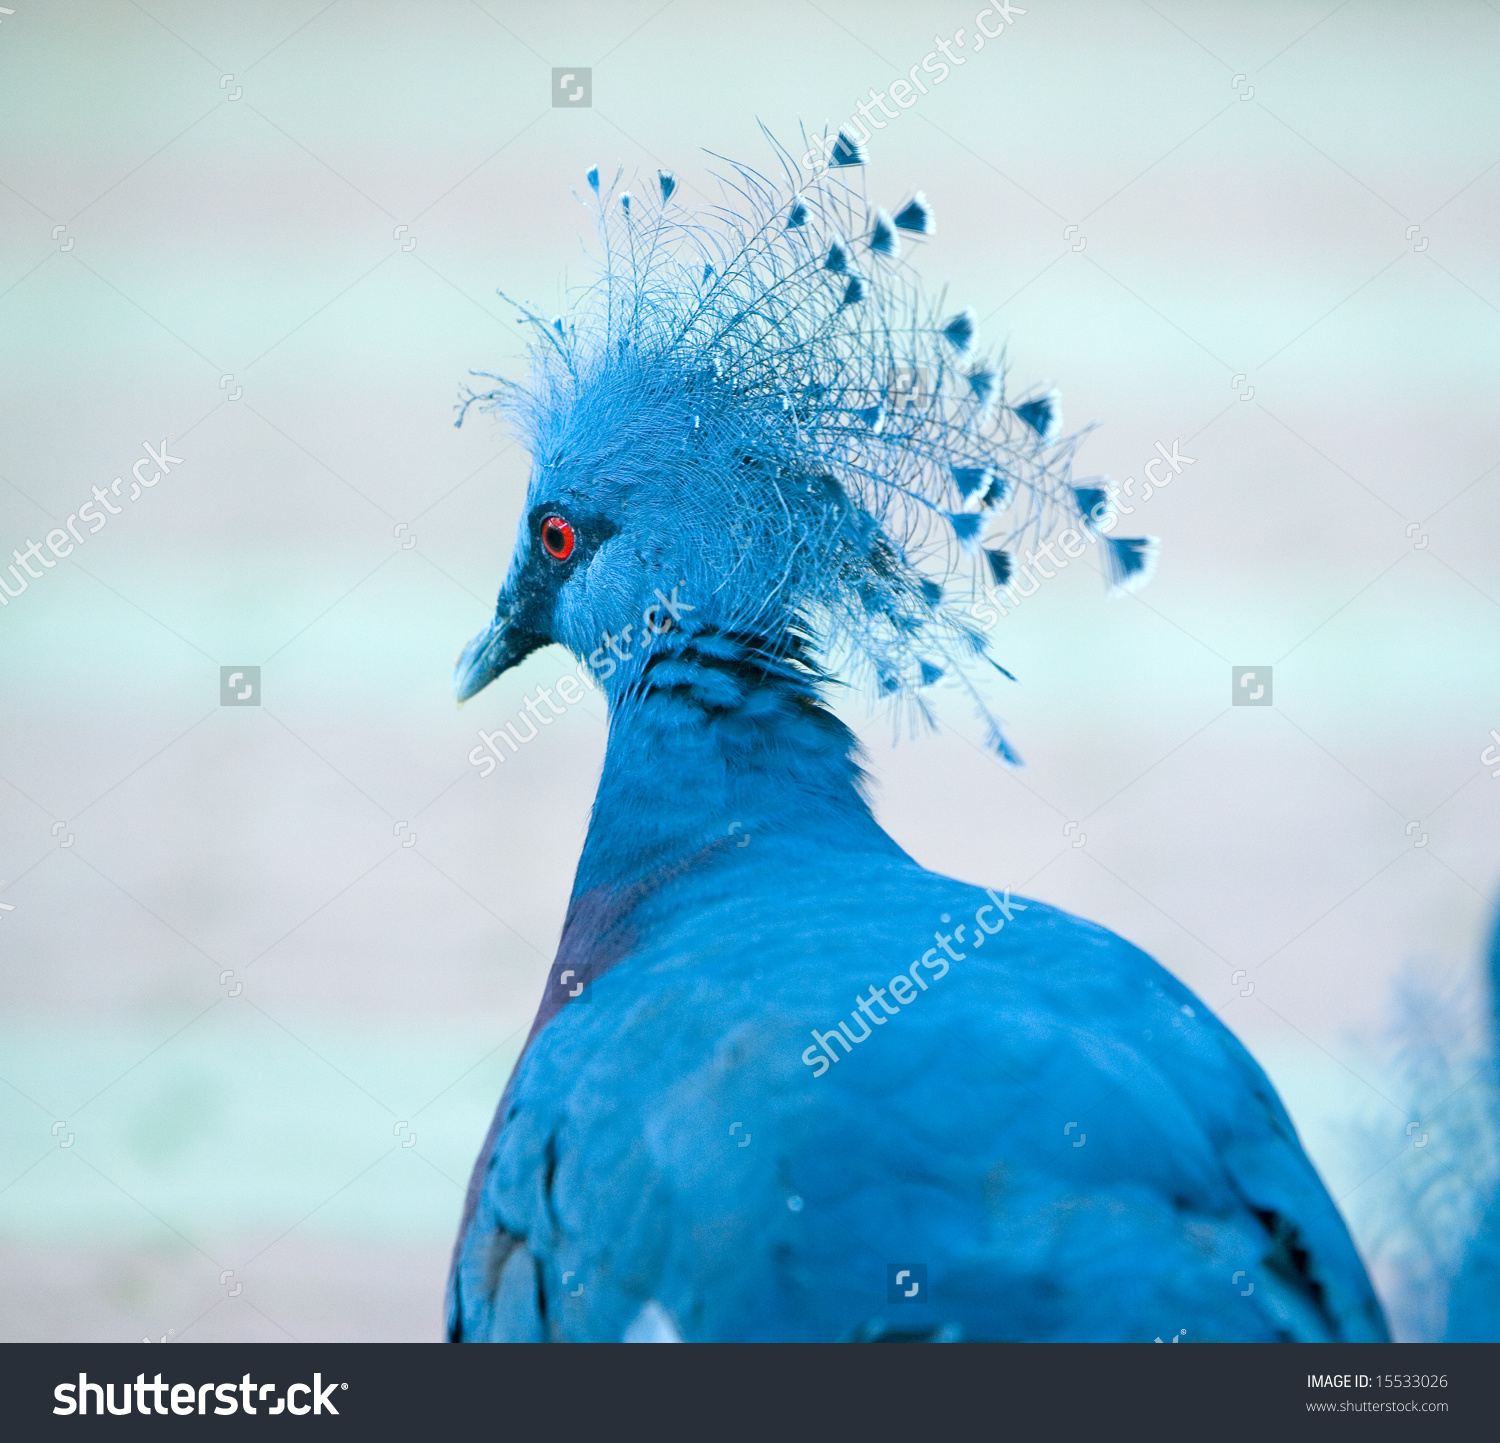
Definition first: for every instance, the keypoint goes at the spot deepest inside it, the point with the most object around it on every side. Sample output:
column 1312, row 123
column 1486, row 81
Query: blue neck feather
column 718, row 738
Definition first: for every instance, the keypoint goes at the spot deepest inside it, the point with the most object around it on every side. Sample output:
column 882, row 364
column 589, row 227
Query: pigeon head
column 754, row 422
column 660, row 498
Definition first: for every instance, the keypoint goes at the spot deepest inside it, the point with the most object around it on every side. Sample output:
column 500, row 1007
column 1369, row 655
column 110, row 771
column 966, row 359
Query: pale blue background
column 1268, row 235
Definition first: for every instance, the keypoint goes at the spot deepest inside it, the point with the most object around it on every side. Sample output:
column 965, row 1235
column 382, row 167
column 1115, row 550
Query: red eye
column 558, row 538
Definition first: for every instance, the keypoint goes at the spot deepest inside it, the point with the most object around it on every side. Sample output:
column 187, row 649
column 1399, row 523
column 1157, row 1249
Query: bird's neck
column 720, row 741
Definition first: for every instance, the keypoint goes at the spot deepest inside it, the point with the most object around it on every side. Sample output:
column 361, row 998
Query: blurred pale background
column 1266, row 230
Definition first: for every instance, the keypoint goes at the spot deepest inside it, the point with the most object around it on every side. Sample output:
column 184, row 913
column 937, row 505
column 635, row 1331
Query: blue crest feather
column 916, row 216
column 982, row 383
column 958, row 330
column 995, row 740
column 1044, row 416
column 883, row 238
column 720, row 358
column 847, row 151
column 1094, row 505
column 973, row 481
column 1129, row 562
column 966, row 525
column 1002, row 491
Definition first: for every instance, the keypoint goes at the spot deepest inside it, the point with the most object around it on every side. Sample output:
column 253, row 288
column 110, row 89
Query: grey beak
column 500, row 646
